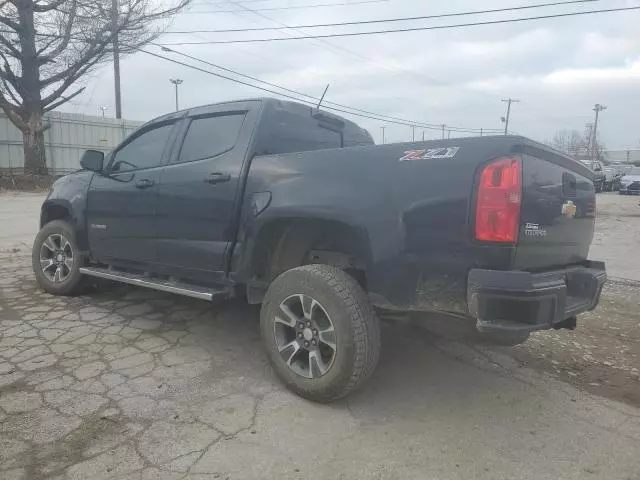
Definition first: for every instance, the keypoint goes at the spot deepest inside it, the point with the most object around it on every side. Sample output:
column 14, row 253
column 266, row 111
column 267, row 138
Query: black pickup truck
column 298, row 210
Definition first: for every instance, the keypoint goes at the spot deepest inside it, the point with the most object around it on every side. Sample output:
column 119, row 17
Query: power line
column 294, row 7
column 339, row 49
column 412, row 29
column 297, row 99
column 388, row 20
column 326, row 102
column 342, row 50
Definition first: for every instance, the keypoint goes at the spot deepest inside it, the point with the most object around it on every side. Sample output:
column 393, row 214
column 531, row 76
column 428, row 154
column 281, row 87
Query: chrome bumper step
column 163, row 285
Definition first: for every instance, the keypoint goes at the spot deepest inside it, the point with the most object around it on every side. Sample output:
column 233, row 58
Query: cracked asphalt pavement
column 133, row 384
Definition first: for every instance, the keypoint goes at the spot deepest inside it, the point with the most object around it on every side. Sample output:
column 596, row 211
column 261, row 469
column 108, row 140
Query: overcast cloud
column 558, row 68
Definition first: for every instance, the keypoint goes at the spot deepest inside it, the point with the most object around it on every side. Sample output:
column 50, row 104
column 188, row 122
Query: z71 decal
column 444, row 152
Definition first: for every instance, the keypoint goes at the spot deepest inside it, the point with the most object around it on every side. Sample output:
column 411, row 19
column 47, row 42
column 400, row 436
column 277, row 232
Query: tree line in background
column 48, row 46
column 580, row 145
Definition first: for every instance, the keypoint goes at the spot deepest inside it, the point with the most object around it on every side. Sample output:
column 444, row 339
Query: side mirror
column 92, row 160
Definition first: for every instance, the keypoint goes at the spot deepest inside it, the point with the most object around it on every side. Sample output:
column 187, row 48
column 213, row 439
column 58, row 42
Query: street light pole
column 383, row 128
column 176, row 82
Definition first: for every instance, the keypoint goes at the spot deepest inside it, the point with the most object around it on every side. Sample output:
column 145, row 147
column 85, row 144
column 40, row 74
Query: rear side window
column 300, row 137
column 210, row 136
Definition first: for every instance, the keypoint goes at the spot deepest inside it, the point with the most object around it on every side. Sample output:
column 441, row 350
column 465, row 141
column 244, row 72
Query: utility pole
column 383, row 128
column 423, row 135
column 508, row 101
column 589, row 128
column 481, row 132
column 413, row 133
column 104, row 109
column 448, row 133
column 594, row 151
column 628, row 155
column 176, row 82
column 443, row 127
column 116, row 56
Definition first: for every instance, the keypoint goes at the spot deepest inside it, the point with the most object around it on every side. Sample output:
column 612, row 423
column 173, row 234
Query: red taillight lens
column 498, row 201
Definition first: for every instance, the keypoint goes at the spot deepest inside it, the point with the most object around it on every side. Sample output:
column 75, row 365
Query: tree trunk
column 33, row 143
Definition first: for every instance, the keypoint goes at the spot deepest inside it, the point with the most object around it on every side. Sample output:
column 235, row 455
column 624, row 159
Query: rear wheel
column 56, row 259
column 320, row 331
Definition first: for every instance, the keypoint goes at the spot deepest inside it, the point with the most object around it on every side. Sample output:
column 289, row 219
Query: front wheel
column 321, row 333
column 56, row 259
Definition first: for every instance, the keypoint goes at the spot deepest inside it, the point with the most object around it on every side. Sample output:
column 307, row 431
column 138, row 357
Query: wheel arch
column 60, row 209
column 55, row 210
column 287, row 242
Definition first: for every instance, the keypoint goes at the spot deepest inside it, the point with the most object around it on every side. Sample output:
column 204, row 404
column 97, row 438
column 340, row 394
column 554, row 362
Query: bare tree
column 569, row 141
column 46, row 46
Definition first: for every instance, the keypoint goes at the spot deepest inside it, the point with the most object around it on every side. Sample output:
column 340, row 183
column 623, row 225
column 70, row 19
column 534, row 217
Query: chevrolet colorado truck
column 297, row 209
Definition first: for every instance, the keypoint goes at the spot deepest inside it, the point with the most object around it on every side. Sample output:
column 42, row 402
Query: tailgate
column 557, row 212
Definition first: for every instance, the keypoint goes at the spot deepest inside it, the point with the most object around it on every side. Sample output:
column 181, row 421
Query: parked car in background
column 630, row 183
column 599, row 177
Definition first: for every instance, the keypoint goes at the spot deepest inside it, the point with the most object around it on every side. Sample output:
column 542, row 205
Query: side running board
column 139, row 280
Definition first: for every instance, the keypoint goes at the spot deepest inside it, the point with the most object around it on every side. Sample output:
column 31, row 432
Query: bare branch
column 13, row 51
column 66, row 37
column 7, row 21
column 37, row 7
column 7, row 87
column 72, row 75
column 6, row 75
column 11, row 111
column 63, row 100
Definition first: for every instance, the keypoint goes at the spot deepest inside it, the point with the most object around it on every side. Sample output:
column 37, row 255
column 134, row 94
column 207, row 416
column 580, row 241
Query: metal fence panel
column 65, row 140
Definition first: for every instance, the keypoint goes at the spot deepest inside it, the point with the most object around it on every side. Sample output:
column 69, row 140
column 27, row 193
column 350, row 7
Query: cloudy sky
column 557, row 68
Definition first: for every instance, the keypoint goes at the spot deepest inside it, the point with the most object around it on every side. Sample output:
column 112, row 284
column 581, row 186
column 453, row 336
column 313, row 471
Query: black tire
column 73, row 283
column 357, row 330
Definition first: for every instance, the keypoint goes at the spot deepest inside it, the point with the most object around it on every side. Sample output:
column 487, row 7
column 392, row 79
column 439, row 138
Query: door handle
column 144, row 183
column 217, row 177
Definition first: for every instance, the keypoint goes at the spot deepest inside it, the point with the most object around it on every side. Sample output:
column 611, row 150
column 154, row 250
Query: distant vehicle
column 598, row 175
column 296, row 209
column 630, row 183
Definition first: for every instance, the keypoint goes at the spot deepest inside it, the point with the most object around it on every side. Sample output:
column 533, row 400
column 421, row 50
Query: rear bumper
column 511, row 301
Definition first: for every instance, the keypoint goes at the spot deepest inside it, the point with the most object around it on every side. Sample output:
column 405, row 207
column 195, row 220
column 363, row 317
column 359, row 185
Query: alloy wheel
column 305, row 336
column 56, row 258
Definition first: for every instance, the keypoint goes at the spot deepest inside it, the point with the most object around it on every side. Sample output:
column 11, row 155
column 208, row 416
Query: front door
column 121, row 201
column 197, row 193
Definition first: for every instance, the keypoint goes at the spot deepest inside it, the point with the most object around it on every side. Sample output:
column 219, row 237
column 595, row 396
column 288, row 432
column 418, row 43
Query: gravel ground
column 603, row 354
column 125, row 383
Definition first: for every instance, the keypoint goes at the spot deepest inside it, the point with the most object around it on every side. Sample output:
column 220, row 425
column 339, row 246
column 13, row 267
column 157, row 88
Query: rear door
column 121, row 202
column 557, row 213
column 199, row 188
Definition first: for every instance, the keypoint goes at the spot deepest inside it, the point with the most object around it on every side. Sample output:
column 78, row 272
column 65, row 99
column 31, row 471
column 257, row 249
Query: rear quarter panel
column 414, row 208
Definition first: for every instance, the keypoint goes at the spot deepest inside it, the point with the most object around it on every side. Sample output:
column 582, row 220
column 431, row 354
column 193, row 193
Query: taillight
column 498, row 201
